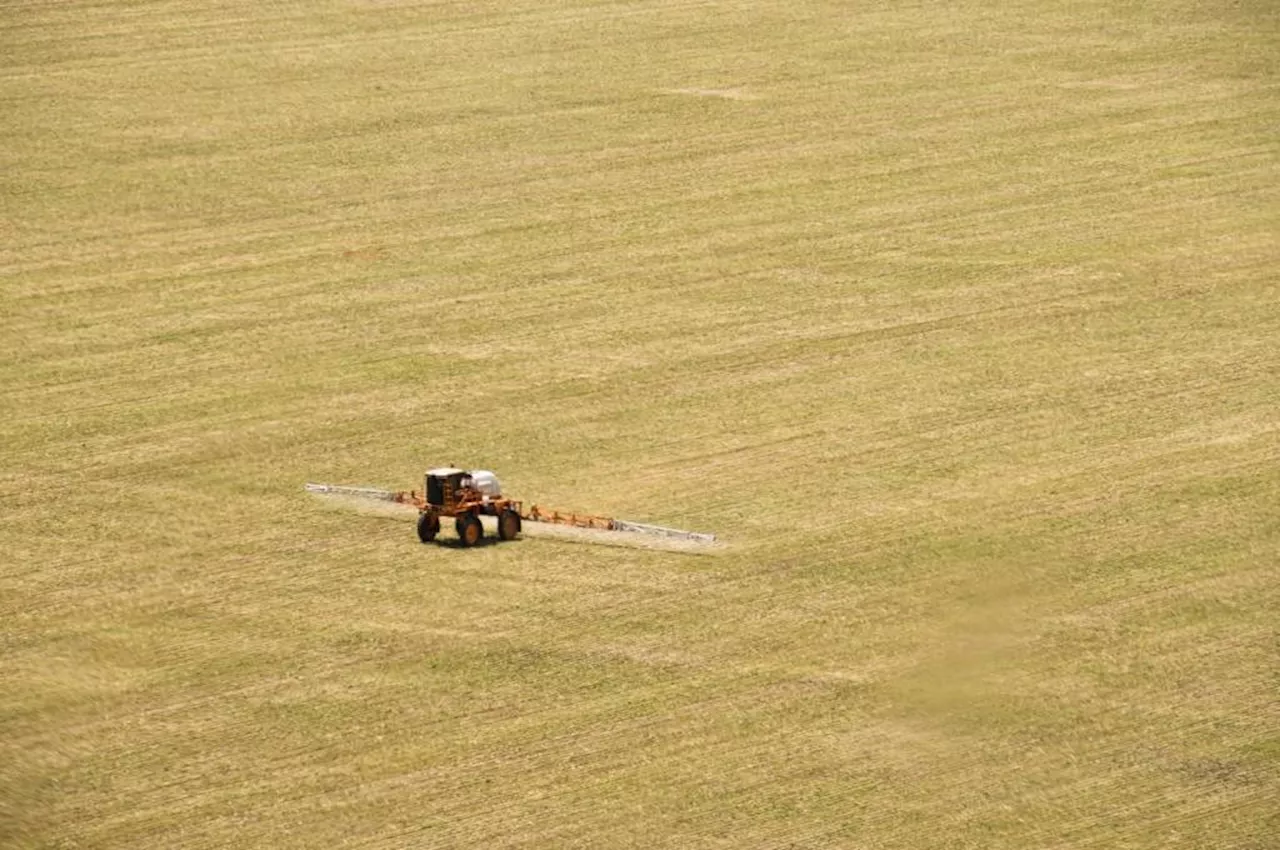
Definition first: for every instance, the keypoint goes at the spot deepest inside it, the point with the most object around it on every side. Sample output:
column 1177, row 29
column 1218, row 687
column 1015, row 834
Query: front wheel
column 508, row 525
column 428, row 527
column 470, row 531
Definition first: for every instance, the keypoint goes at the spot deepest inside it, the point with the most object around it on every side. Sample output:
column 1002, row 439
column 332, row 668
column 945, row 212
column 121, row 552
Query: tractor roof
column 444, row 471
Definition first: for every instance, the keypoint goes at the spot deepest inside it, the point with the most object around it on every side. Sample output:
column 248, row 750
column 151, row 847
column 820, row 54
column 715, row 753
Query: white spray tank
column 486, row 483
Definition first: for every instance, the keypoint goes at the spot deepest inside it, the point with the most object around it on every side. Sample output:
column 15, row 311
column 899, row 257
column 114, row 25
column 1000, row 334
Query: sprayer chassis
column 450, row 493
column 465, row 497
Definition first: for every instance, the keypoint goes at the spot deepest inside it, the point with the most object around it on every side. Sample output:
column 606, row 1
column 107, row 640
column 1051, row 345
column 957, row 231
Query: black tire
column 428, row 527
column 508, row 524
column 470, row 531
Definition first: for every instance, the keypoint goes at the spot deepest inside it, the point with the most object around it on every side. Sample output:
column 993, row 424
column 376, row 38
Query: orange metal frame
column 536, row 514
column 468, row 502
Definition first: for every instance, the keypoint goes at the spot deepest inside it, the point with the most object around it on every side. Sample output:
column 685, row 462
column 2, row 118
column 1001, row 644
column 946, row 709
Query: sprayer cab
column 449, row 487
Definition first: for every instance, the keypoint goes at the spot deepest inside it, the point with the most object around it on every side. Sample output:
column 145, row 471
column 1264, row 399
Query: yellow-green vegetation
column 959, row 322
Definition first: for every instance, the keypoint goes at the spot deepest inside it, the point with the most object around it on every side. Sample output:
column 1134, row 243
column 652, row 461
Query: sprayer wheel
column 428, row 527
column 508, row 524
column 470, row 531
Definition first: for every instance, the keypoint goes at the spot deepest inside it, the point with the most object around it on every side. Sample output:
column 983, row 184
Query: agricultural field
column 959, row 323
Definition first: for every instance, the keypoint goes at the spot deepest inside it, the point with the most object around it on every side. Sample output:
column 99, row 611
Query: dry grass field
column 958, row 322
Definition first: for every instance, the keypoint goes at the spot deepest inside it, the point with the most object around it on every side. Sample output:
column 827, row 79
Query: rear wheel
column 508, row 524
column 470, row 531
column 428, row 527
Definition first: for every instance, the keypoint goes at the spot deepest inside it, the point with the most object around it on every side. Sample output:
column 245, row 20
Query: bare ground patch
column 723, row 94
